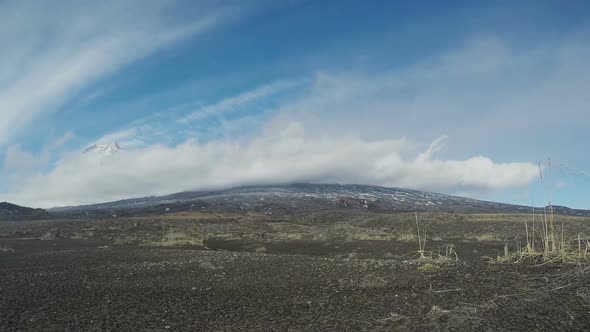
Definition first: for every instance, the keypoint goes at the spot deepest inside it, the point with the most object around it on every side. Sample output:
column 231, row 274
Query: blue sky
column 457, row 97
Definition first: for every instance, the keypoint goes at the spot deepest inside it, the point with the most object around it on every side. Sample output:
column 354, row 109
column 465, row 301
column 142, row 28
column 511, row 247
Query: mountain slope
column 295, row 198
column 105, row 149
column 10, row 211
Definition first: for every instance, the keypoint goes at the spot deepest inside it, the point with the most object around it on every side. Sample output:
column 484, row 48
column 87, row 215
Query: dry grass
column 437, row 311
column 429, row 256
column 292, row 236
column 546, row 242
column 486, row 237
column 82, row 235
column 371, row 236
column 428, row 267
column 406, row 236
column 200, row 215
column 260, row 249
column 172, row 236
column 178, row 238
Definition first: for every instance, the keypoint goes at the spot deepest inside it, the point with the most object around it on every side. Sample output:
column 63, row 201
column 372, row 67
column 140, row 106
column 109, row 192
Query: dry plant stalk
column 450, row 253
column 553, row 246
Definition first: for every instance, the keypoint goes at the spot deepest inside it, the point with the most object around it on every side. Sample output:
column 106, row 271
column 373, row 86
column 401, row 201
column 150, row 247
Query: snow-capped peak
column 103, row 148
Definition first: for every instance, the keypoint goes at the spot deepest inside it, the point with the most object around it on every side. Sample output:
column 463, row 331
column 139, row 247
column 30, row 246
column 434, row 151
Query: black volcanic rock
column 9, row 211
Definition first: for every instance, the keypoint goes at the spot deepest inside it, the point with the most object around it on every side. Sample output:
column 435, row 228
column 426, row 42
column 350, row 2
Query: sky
column 468, row 98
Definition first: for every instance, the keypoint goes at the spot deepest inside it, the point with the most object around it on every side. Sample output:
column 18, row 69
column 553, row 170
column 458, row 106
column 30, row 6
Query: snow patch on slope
column 105, row 149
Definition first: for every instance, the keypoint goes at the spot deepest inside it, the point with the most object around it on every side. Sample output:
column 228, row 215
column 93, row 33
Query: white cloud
column 18, row 162
column 53, row 50
column 352, row 124
column 483, row 93
column 281, row 156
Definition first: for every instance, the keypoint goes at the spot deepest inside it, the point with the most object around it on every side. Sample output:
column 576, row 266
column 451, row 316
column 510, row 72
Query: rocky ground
column 53, row 278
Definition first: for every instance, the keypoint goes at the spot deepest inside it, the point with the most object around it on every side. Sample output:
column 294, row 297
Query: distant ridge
column 293, row 198
column 9, row 211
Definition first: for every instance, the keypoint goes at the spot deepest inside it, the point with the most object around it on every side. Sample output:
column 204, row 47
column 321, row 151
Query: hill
column 301, row 197
column 9, row 211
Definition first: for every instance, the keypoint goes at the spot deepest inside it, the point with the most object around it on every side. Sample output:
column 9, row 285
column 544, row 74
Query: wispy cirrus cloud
column 51, row 51
column 234, row 103
column 194, row 120
column 63, row 139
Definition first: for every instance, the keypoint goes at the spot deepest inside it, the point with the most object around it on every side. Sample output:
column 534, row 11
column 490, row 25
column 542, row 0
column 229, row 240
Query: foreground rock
column 148, row 289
